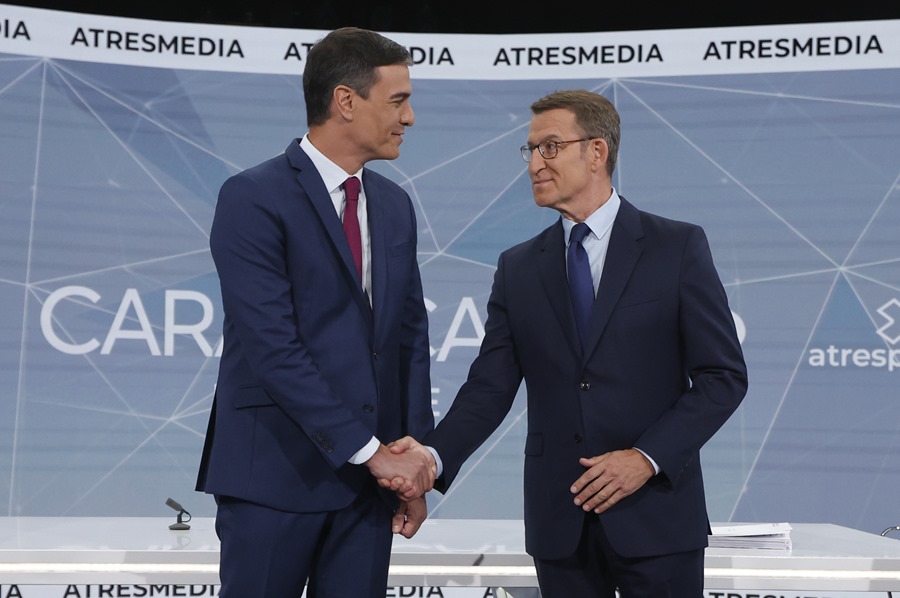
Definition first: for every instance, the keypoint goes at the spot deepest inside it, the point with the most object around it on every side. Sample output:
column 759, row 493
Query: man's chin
column 389, row 154
column 542, row 200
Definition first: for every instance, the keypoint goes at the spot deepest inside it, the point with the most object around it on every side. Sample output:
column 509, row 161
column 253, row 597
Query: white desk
column 465, row 553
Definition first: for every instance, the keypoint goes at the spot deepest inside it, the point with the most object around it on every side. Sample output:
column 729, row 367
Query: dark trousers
column 596, row 571
column 266, row 553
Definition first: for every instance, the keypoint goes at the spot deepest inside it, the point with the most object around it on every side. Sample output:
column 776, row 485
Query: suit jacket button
column 368, row 408
column 585, row 386
column 578, row 439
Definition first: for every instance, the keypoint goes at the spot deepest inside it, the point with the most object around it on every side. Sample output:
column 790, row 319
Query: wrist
column 376, row 462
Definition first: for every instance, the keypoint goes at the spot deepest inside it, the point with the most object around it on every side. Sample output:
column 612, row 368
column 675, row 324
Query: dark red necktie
column 351, row 222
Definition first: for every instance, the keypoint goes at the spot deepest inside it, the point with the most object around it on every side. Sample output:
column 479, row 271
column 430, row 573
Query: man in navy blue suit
column 326, row 354
column 619, row 405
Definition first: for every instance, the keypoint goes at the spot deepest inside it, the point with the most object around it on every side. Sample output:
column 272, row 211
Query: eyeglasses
column 548, row 149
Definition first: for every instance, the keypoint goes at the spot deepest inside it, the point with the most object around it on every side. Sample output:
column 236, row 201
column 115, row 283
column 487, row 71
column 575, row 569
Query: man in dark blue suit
column 620, row 405
column 326, row 353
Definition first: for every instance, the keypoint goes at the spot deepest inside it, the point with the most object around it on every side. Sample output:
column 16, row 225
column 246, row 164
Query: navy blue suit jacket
column 309, row 371
column 663, row 370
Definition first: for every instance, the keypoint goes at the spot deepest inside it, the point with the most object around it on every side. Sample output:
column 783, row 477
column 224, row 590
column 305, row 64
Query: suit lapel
column 320, row 199
column 552, row 267
column 621, row 258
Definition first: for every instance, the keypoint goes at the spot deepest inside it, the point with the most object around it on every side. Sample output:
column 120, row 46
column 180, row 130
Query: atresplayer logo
column 890, row 324
column 888, row 357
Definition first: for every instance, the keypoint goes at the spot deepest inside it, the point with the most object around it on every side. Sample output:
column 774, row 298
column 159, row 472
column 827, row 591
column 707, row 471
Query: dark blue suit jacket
column 663, row 370
column 309, row 371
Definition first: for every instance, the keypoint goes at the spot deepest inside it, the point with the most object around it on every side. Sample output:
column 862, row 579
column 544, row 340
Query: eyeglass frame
column 527, row 150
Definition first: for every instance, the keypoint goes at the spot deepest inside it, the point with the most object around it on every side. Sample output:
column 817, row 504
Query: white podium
column 445, row 552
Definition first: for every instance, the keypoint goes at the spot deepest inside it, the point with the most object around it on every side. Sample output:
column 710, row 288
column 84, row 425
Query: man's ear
column 343, row 98
column 599, row 153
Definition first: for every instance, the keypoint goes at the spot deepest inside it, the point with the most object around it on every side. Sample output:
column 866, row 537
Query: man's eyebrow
column 552, row 137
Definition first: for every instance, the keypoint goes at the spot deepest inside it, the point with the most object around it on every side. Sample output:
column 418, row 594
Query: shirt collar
column 332, row 175
column 600, row 221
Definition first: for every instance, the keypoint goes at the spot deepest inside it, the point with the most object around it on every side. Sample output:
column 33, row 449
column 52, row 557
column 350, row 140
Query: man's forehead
column 393, row 81
column 552, row 123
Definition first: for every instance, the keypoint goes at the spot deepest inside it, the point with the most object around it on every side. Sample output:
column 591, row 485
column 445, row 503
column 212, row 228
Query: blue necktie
column 581, row 285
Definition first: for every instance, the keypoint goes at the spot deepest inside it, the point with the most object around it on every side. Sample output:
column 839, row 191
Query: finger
column 408, row 493
column 605, row 497
column 589, row 503
column 584, row 483
column 394, row 484
column 402, row 445
column 604, row 503
column 409, row 524
column 579, row 485
column 399, row 520
column 416, row 513
column 595, row 470
column 591, row 492
column 410, row 528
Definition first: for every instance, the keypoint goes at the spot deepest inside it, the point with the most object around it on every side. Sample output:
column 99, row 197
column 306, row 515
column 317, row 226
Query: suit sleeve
column 488, row 393
column 415, row 352
column 713, row 360
column 247, row 242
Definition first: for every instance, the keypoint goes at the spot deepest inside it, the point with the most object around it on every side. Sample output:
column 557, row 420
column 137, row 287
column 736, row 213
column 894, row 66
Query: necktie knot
column 351, row 189
column 579, row 232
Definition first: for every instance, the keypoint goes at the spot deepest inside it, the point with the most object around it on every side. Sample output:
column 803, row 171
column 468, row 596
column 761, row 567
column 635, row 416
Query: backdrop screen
column 110, row 317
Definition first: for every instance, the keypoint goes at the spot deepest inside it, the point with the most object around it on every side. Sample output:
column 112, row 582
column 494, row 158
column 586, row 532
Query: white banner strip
column 653, row 53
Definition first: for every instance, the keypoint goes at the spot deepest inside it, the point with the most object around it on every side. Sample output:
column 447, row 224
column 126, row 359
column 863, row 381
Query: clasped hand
column 404, row 466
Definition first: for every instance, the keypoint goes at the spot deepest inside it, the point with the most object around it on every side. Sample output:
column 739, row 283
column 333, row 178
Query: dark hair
column 594, row 114
column 346, row 56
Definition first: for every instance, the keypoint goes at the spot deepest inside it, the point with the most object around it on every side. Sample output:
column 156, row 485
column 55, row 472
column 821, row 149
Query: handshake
column 404, row 466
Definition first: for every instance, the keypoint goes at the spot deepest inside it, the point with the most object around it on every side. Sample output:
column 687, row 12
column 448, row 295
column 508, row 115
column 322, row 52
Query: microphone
column 179, row 523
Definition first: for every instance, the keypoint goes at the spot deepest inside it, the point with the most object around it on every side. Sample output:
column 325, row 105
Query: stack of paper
column 751, row 535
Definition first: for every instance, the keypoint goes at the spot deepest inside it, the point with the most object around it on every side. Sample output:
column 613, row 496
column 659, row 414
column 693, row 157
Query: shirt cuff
column 366, row 452
column 649, row 458
column 437, row 461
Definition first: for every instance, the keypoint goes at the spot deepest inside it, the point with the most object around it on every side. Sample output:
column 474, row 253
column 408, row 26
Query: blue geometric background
column 109, row 303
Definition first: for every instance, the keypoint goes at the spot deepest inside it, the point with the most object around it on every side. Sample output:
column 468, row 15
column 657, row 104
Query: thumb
column 398, row 520
column 400, row 446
